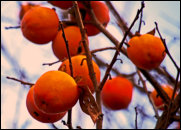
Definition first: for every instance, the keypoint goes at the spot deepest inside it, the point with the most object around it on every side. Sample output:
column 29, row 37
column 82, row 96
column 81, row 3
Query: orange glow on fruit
column 101, row 12
column 40, row 25
column 55, row 92
column 117, row 93
column 25, row 8
column 157, row 99
column 146, row 51
column 37, row 113
column 81, row 72
column 74, row 38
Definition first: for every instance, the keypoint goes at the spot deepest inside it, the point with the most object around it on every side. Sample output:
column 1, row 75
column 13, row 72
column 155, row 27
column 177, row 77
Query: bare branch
column 149, row 97
column 141, row 15
column 69, row 119
column 22, row 82
column 119, row 19
column 12, row 27
column 136, row 118
column 50, row 64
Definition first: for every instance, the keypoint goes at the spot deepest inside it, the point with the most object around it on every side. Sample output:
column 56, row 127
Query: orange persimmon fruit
column 39, row 115
column 117, row 93
column 74, row 38
column 40, row 25
column 158, row 100
column 101, row 12
column 146, row 51
column 55, row 92
column 25, row 8
column 80, row 71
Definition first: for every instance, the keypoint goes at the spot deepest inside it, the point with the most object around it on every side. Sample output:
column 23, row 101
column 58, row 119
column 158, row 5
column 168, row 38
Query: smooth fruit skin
column 81, row 72
column 157, row 99
column 55, row 92
column 101, row 12
column 117, row 93
column 146, row 51
column 37, row 113
column 74, row 38
column 40, row 25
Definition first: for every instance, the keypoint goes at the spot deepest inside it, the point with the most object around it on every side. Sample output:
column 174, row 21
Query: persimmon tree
column 84, row 79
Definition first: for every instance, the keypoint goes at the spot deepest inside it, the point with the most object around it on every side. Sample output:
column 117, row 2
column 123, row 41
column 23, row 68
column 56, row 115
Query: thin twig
column 163, row 71
column 22, row 82
column 67, row 48
column 136, row 118
column 54, row 126
column 141, row 15
column 69, row 119
column 177, row 77
column 166, row 48
column 149, row 97
column 12, row 27
column 168, row 53
column 50, row 64
column 103, row 49
column 119, row 19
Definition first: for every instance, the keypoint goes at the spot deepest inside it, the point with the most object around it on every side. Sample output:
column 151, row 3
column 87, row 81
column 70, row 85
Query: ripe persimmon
column 40, row 25
column 25, row 8
column 146, row 51
column 80, row 70
column 39, row 115
column 55, row 92
column 101, row 12
column 117, row 93
column 158, row 100
column 74, row 38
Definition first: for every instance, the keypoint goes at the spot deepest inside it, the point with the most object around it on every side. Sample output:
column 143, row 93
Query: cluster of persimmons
column 55, row 92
